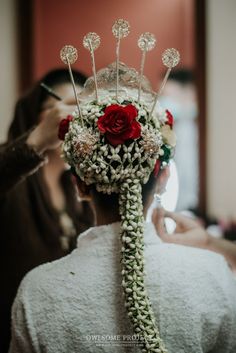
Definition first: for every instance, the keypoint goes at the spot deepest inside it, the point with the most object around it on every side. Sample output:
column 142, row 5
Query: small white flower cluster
column 122, row 169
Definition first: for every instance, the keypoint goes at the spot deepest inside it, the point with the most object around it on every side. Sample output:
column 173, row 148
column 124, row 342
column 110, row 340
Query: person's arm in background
column 25, row 155
column 188, row 232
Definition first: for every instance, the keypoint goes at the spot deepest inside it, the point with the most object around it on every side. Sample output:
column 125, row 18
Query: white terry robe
column 75, row 304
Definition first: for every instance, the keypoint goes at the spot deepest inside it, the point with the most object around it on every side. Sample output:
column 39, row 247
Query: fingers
column 58, row 112
column 158, row 219
column 182, row 222
column 63, row 108
column 177, row 217
column 69, row 101
column 188, row 231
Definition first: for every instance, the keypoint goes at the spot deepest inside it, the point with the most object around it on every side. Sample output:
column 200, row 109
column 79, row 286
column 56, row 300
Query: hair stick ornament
column 146, row 42
column 69, row 55
column 91, row 42
column 170, row 58
column 120, row 29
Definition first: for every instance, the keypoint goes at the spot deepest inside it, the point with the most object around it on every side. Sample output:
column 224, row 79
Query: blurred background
column 200, row 93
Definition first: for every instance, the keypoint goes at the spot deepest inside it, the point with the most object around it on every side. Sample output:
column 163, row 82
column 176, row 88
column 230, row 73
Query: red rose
column 157, row 167
column 64, row 127
column 170, row 118
column 119, row 124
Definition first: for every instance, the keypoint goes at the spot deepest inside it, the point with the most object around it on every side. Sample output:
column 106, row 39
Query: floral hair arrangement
column 116, row 139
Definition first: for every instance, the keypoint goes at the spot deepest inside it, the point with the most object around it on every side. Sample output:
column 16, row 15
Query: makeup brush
column 50, row 91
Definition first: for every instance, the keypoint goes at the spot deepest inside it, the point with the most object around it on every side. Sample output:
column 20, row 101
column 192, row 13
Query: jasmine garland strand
column 132, row 259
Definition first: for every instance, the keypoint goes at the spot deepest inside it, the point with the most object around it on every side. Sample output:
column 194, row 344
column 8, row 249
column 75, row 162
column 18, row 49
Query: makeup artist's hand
column 45, row 136
column 188, row 231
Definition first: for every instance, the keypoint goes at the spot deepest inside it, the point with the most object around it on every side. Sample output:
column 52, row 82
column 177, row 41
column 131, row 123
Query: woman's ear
column 83, row 190
column 163, row 177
